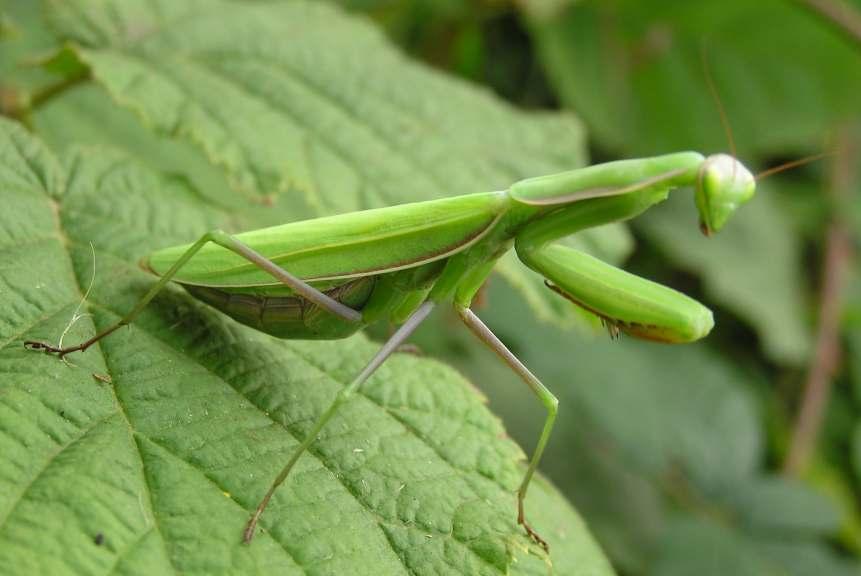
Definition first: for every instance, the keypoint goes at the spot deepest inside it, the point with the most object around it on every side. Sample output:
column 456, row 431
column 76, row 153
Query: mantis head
column 723, row 185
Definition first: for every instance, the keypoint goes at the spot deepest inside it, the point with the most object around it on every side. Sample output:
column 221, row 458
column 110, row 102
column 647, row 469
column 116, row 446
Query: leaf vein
column 83, row 432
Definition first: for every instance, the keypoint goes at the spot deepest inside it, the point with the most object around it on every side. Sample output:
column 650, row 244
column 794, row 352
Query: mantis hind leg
column 391, row 345
column 477, row 327
column 231, row 243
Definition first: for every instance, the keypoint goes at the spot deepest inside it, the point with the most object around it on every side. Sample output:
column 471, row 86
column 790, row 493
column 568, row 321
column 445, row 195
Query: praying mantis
column 327, row 278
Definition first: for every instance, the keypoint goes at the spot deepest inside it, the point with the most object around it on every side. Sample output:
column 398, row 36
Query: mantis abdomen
column 290, row 317
column 393, row 296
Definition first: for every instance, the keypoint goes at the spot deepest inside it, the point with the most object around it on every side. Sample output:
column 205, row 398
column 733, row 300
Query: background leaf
column 24, row 38
column 634, row 72
column 273, row 105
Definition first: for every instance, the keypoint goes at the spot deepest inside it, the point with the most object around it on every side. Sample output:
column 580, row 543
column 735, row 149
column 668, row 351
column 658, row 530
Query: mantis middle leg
column 477, row 327
column 391, row 345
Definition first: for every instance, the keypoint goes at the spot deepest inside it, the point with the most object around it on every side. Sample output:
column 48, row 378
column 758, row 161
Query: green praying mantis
column 327, row 278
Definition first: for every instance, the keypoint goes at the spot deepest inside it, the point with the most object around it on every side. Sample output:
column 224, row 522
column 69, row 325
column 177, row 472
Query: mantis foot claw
column 533, row 535
column 410, row 349
column 248, row 534
column 60, row 352
column 45, row 347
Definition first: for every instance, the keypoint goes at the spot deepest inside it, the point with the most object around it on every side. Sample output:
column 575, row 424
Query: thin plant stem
column 839, row 14
column 838, row 259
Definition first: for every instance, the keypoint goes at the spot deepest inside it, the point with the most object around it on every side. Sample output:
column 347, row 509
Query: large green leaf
column 297, row 95
column 155, row 471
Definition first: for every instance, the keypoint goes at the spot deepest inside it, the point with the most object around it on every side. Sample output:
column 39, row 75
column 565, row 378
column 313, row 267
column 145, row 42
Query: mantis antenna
column 724, row 120
column 793, row 164
column 727, row 128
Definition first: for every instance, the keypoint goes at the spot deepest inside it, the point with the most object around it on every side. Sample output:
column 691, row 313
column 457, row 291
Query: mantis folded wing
column 327, row 278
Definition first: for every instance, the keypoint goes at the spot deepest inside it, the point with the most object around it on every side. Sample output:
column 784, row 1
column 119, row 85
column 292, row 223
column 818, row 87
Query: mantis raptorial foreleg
column 234, row 245
column 391, row 345
column 477, row 327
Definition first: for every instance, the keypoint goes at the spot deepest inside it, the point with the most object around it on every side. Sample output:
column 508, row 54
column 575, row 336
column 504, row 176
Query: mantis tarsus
column 327, row 278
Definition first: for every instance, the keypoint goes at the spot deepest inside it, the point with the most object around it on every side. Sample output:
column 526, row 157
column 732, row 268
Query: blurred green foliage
column 673, row 454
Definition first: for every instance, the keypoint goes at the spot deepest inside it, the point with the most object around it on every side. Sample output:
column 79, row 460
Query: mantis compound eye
column 723, row 185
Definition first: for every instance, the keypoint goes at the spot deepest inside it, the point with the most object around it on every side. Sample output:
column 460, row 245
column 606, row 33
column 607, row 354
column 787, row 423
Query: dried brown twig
column 838, row 14
column 838, row 258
